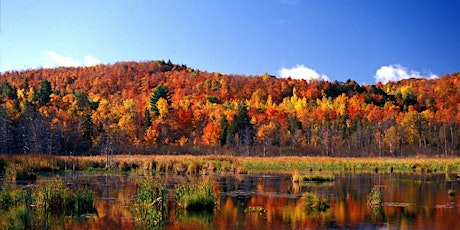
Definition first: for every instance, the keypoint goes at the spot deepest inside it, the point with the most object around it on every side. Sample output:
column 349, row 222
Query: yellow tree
column 163, row 107
column 266, row 134
column 391, row 139
column 127, row 121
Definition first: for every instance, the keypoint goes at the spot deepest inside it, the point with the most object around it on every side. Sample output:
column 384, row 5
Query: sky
column 363, row 40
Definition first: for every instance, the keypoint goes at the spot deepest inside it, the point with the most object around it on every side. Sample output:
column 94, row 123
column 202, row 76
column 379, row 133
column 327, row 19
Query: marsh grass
column 322, row 177
column 11, row 197
column 54, row 197
column 330, row 164
column 195, row 197
column 43, row 204
column 16, row 217
column 149, row 208
column 181, row 164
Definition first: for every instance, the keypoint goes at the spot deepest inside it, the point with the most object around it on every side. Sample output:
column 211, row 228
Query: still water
column 409, row 201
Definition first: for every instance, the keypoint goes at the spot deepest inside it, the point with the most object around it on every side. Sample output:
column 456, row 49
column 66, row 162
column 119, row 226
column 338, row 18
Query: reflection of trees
column 199, row 220
column 347, row 199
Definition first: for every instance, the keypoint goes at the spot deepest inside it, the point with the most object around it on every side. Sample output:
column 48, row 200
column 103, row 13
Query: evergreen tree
column 160, row 92
column 44, row 92
column 241, row 124
column 7, row 91
column 147, row 119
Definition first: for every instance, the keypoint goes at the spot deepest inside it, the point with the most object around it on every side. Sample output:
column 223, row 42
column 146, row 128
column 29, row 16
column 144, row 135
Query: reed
column 12, row 197
column 54, row 197
column 149, row 208
column 331, row 164
column 322, row 177
column 33, row 207
column 195, row 197
column 16, row 217
column 228, row 164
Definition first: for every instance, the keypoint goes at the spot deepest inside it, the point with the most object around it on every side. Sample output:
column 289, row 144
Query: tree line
column 158, row 107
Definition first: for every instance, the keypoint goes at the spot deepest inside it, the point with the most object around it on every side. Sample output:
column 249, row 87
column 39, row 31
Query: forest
column 157, row 107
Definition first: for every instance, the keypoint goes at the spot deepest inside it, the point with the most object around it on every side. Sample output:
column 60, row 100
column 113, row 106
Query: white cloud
column 52, row 59
column 91, row 61
column 301, row 72
column 398, row 72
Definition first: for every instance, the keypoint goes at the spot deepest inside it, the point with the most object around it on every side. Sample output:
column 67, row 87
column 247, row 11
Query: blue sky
column 365, row 40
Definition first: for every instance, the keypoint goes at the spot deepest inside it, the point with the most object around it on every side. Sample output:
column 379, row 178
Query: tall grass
column 35, row 207
column 195, row 197
column 331, row 164
column 187, row 164
column 149, row 208
column 54, row 197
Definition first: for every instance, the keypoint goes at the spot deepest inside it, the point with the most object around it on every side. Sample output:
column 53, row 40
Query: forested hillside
column 164, row 108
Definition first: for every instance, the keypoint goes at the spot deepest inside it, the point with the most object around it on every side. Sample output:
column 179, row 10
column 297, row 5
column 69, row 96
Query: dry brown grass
column 189, row 164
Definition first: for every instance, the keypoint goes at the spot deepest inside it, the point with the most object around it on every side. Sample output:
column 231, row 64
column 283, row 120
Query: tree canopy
column 161, row 107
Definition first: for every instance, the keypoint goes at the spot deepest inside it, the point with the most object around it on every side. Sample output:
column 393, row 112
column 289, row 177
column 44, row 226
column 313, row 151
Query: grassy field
column 16, row 166
column 313, row 164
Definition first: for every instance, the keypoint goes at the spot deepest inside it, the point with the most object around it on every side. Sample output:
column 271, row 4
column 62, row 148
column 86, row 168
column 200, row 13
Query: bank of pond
column 224, row 192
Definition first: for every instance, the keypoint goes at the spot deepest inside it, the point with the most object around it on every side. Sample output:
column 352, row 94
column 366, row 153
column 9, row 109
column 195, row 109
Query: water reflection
column 419, row 201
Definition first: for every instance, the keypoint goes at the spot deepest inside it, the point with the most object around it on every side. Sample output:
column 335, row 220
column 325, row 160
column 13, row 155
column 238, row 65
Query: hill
column 161, row 107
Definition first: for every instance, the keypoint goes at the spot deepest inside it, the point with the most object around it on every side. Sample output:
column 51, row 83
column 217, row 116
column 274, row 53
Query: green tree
column 44, row 92
column 147, row 119
column 7, row 91
column 160, row 92
column 241, row 124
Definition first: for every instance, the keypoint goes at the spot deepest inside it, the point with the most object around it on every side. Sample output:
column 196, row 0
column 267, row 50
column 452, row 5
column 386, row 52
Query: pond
column 273, row 201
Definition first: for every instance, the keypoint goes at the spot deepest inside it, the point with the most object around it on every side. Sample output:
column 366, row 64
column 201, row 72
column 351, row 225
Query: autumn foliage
column 160, row 107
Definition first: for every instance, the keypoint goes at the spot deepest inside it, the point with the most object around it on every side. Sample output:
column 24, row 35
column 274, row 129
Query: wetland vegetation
column 209, row 192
